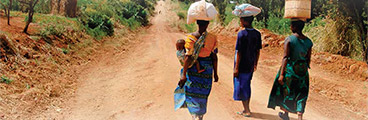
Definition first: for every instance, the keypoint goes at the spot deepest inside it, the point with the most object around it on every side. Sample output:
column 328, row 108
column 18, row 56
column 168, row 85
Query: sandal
column 243, row 114
column 283, row 116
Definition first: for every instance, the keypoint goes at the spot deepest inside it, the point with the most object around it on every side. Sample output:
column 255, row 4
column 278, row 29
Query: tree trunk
column 30, row 16
column 366, row 39
column 71, row 8
column 5, row 9
column 58, row 7
column 9, row 8
column 31, row 6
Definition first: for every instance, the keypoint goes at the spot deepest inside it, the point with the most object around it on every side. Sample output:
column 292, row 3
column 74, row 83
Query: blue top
column 247, row 44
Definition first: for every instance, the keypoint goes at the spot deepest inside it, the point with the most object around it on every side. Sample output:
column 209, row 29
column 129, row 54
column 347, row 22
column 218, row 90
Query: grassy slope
column 45, row 71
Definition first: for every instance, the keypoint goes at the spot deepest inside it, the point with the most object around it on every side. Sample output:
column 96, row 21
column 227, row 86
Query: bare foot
column 245, row 114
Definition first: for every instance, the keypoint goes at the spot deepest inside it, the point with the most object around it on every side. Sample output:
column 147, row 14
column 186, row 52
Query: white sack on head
column 201, row 10
column 246, row 10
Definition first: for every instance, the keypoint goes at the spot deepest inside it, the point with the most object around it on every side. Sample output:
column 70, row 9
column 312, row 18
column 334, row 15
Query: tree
column 355, row 11
column 71, row 8
column 4, row 6
column 221, row 6
column 30, row 4
column 64, row 7
column 366, row 24
column 7, row 9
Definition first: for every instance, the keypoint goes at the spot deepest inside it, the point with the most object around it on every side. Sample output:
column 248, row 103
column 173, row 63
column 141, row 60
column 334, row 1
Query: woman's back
column 210, row 45
column 299, row 48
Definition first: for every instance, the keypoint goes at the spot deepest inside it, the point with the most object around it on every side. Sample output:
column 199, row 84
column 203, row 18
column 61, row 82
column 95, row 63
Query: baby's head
column 180, row 44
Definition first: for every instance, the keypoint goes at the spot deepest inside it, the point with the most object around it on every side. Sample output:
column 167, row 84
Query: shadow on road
column 267, row 116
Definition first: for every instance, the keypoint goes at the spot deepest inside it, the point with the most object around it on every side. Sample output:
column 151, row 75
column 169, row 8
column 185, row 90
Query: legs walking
column 285, row 115
column 246, row 107
column 246, row 112
column 300, row 116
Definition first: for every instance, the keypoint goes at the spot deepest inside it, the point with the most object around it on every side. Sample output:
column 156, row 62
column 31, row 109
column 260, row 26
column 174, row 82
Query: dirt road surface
column 139, row 84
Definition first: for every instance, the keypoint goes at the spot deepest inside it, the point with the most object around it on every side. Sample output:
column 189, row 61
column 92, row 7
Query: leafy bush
column 181, row 12
column 221, row 6
column 259, row 24
column 43, row 6
column 97, row 24
column 149, row 5
column 132, row 10
column 279, row 25
column 190, row 27
column 318, row 21
column 52, row 25
column 132, row 23
column 52, row 29
column 328, row 38
column 98, row 16
column 181, row 15
column 5, row 80
column 228, row 14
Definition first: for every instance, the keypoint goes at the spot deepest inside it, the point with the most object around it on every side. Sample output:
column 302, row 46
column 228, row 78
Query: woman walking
column 200, row 46
column 291, row 86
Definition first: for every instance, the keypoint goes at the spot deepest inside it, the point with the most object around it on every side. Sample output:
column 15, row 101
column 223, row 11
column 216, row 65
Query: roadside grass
column 181, row 9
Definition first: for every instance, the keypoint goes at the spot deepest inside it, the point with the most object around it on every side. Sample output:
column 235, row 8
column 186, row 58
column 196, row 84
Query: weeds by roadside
column 181, row 9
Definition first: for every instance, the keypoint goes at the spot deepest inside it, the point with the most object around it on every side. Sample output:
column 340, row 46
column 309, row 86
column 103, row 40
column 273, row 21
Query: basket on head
column 298, row 9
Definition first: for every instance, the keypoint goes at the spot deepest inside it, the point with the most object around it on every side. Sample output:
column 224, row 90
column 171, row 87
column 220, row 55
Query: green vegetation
column 96, row 17
column 278, row 25
column 5, row 79
column 228, row 14
column 96, row 23
column 181, row 15
column 343, row 24
column 221, row 6
column 181, row 12
column 52, row 25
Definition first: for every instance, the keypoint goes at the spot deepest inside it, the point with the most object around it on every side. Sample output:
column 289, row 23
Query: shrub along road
column 139, row 84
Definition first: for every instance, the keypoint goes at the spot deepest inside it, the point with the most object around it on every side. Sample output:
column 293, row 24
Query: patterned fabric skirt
column 196, row 89
column 293, row 95
column 242, row 86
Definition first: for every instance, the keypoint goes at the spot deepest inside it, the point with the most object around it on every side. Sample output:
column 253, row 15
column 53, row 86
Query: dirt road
column 139, row 84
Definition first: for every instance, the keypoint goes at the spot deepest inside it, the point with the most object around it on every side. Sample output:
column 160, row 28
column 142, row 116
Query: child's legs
column 198, row 66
